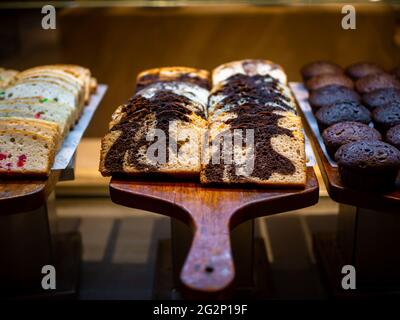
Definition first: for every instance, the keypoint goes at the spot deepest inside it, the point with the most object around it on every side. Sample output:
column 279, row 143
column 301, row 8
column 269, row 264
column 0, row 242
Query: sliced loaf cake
column 45, row 128
column 71, row 85
column 78, row 72
column 41, row 109
column 249, row 104
column 249, row 67
column 181, row 74
column 255, row 136
column 38, row 106
column 43, row 89
column 159, row 130
column 24, row 152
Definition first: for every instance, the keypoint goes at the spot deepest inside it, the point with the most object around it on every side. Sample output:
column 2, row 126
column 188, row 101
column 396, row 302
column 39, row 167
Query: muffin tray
column 389, row 201
column 23, row 194
column 301, row 94
column 210, row 212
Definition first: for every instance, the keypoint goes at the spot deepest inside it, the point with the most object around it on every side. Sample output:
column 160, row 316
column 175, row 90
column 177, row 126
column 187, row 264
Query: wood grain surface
column 388, row 201
column 18, row 196
column 211, row 212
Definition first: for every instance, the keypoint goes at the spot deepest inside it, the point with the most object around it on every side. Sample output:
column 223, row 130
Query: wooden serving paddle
column 211, row 213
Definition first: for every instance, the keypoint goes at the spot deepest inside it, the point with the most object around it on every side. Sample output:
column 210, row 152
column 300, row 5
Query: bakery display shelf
column 388, row 201
column 23, row 194
column 211, row 213
column 368, row 227
column 29, row 236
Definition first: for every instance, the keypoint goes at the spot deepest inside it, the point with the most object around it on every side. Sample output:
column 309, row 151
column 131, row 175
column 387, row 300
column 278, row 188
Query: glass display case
column 118, row 39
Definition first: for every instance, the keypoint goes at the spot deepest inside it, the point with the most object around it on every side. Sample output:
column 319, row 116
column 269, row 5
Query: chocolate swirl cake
column 258, row 109
column 249, row 104
column 181, row 74
column 159, row 130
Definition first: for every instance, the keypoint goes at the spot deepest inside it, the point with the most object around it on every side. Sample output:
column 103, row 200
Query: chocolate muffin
column 345, row 132
column 376, row 81
column 319, row 68
column 368, row 165
column 329, row 79
column 396, row 72
column 393, row 136
column 328, row 95
column 362, row 69
column 386, row 116
column 340, row 112
column 381, row 97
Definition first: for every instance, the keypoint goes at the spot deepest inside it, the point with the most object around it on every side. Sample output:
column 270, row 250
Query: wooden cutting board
column 211, row 213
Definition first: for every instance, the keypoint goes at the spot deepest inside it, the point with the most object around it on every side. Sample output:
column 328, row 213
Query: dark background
column 118, row 42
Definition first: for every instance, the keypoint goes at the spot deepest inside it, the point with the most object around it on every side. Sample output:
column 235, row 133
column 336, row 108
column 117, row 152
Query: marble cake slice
column 199, row 77
column 176, row 108
column 249, row 67
column 277, row 157
column 258, row 90
column 258, row 107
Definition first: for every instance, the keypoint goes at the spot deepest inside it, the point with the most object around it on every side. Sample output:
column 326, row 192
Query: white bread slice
column 49, row 112
column 77, row 71
column 249, row 67
column 42, row 127
column 25, row 153
column 42, row 106
column 71, row 87
column 43, row 89
column 58, row 76
column 52, row 73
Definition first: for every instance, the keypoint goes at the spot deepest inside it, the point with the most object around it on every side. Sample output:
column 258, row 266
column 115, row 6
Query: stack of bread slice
column 38, row 107
column 251, row 106
column 160, row 129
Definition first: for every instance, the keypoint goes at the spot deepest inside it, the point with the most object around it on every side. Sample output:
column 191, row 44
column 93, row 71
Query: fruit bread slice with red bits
column 45, row 128
column 25, row 153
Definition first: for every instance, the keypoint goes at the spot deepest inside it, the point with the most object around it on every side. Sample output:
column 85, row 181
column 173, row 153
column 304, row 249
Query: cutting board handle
column 209, row 266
